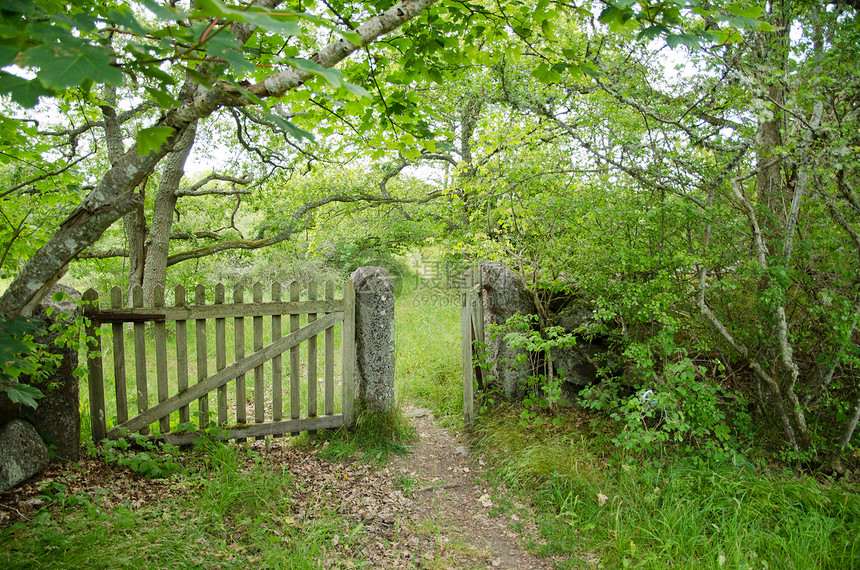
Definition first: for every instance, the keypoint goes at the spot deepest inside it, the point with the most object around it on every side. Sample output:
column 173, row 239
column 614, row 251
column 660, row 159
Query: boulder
column 504, row 294
column 374, row 338
column 58, row 416
column 22, row 453
column 576, row 364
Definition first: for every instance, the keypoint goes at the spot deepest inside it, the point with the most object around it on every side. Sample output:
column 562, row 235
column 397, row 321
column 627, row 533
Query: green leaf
column 125, row 18
column 223, row 45
column 163, row 98
column 151, row 139
column 25, row 92
column 331, row 74
column 168, row 13
column 276, row 21
column 352, row 37
column 68, row 65
column 288, row 127
column 24, row 394
column 357, row 90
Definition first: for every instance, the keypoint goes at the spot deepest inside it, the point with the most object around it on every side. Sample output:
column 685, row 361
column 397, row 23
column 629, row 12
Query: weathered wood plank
column 202, row 359
column 227, row 311
column 98, row 416
column 259, row 386
column 239, row 354
column 329, row 358
column 232, row 371
column 466, row 333
column 312, row 357
column 181, row 354
column 262, row 430
column 277, row 362
column 140, row 356
column 348, row 348
column 221, row 355
column 118, row 341
column 160, row 334
column 295, row 385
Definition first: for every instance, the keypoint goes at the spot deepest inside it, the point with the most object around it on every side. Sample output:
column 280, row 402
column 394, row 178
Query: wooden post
column 259, row 384
column 181, row 353
column 160, row 333
column 295, row 381
column 140, row 356
column 329, row 357
column 98, row 417
column 312, row 357
column 239, row 353
column 348, row 348
column 221, row 355
column 277, row 362
column 118, row 340
column 202, row 358
column 466, row 333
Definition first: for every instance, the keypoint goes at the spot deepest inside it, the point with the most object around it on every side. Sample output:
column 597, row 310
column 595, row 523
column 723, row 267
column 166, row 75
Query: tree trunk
column 155, row 271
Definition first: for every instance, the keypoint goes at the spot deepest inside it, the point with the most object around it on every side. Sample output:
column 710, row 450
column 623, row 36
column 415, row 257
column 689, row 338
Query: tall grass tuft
column 375, row 436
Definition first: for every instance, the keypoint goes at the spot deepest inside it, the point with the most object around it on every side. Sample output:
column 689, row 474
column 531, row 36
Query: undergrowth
column 597, row 502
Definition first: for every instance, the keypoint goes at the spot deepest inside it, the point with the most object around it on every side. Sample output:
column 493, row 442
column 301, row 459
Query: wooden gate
column 308, row 319
column 472, row 329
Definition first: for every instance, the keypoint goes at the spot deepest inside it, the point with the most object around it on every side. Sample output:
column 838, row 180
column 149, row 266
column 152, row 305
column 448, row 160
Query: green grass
column 627, row 513
column 428, row 363
column 240, row 513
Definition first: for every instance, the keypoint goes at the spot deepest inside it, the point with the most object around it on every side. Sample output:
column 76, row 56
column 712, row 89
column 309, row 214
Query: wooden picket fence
column 320, row 318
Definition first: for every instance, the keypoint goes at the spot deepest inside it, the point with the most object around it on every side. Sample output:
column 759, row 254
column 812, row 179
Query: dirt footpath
column 450, row 500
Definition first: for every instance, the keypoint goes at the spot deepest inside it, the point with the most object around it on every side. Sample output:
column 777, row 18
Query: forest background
column 687, row 169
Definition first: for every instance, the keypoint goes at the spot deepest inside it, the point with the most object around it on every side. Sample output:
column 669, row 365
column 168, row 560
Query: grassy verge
column 610, row 509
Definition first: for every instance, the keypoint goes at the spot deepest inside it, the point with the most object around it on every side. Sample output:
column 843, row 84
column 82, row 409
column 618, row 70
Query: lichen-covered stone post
column 374, row 338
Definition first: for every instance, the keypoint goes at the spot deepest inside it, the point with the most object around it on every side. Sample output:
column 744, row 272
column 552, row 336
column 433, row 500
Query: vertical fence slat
column 202, row 361
column 181, row 353
column 312, row 358
column 221, row 355
column 259, row 384
column 160, row 334
column 466, row 333
column 295, row 386
column 348, row 348
column 239, row 353
column 98, row 416
column 118, row 340
column 140, row 356
column 329, row 357
column 277, row 363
